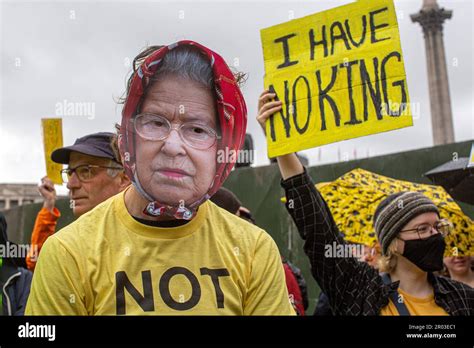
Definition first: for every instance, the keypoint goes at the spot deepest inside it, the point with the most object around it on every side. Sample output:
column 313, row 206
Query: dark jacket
column 353, row 287
column 323, row 308
column 15, row 281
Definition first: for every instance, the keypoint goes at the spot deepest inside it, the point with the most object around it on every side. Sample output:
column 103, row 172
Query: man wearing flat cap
column 93, row 175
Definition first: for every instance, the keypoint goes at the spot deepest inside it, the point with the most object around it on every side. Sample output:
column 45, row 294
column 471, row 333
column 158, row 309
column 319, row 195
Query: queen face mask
column 232, row 117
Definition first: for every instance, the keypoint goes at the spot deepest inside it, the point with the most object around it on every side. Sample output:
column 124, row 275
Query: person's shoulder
column 87, row 226
column 236, row 225
column 449, row 284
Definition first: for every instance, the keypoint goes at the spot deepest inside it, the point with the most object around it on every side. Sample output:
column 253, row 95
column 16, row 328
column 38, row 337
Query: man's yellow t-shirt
column 415, row 305
column 107, row 263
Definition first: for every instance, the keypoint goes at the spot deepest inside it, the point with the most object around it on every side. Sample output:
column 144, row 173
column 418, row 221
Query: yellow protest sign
column 471, row 157
column 52, row 139
column 340, row 75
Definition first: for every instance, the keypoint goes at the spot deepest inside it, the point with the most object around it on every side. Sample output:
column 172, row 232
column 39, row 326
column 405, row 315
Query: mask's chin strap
column 155, row 208
column 139, row 187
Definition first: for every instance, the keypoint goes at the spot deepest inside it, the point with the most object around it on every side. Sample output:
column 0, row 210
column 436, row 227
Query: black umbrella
column 456, row 178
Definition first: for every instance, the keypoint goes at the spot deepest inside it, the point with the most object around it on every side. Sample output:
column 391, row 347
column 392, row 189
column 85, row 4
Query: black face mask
column 427, row 254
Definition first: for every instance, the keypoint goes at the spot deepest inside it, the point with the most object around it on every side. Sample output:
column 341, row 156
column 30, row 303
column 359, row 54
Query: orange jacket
column 45, row 225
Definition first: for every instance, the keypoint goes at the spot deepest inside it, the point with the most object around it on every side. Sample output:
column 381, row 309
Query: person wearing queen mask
column 161, row 247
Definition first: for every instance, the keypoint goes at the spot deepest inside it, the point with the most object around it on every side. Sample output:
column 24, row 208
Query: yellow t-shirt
column 415, row 305
column 107, row 263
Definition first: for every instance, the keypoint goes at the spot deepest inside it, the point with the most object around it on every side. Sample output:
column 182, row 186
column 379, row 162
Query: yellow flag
column 52, row 140
column 471, row 157
column 340, row 75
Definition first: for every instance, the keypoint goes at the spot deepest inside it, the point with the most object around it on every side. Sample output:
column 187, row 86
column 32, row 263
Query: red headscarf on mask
column 232, row 113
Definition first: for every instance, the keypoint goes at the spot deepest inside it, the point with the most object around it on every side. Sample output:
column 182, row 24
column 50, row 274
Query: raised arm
column 45, row 224
column 343, row 279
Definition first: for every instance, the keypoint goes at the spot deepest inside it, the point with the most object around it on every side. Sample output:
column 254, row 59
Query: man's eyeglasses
column 84, row 172
column 156, row 128
column 424, row 231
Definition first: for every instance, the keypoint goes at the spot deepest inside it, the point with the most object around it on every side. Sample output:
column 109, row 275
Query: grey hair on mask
column 183, row 61
column 186, row 62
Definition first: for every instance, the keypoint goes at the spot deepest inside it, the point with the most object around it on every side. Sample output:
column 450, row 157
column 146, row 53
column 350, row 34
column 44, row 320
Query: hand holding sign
column 48, row 192
column 289, row 164
column 267, row 107
column 339, row 74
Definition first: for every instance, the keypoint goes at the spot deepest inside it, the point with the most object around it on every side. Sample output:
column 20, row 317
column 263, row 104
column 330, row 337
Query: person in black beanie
column 410, row 231
column 411, row 234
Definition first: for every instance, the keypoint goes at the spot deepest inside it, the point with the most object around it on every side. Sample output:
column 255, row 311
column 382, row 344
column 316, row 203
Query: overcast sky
column 64, row 51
